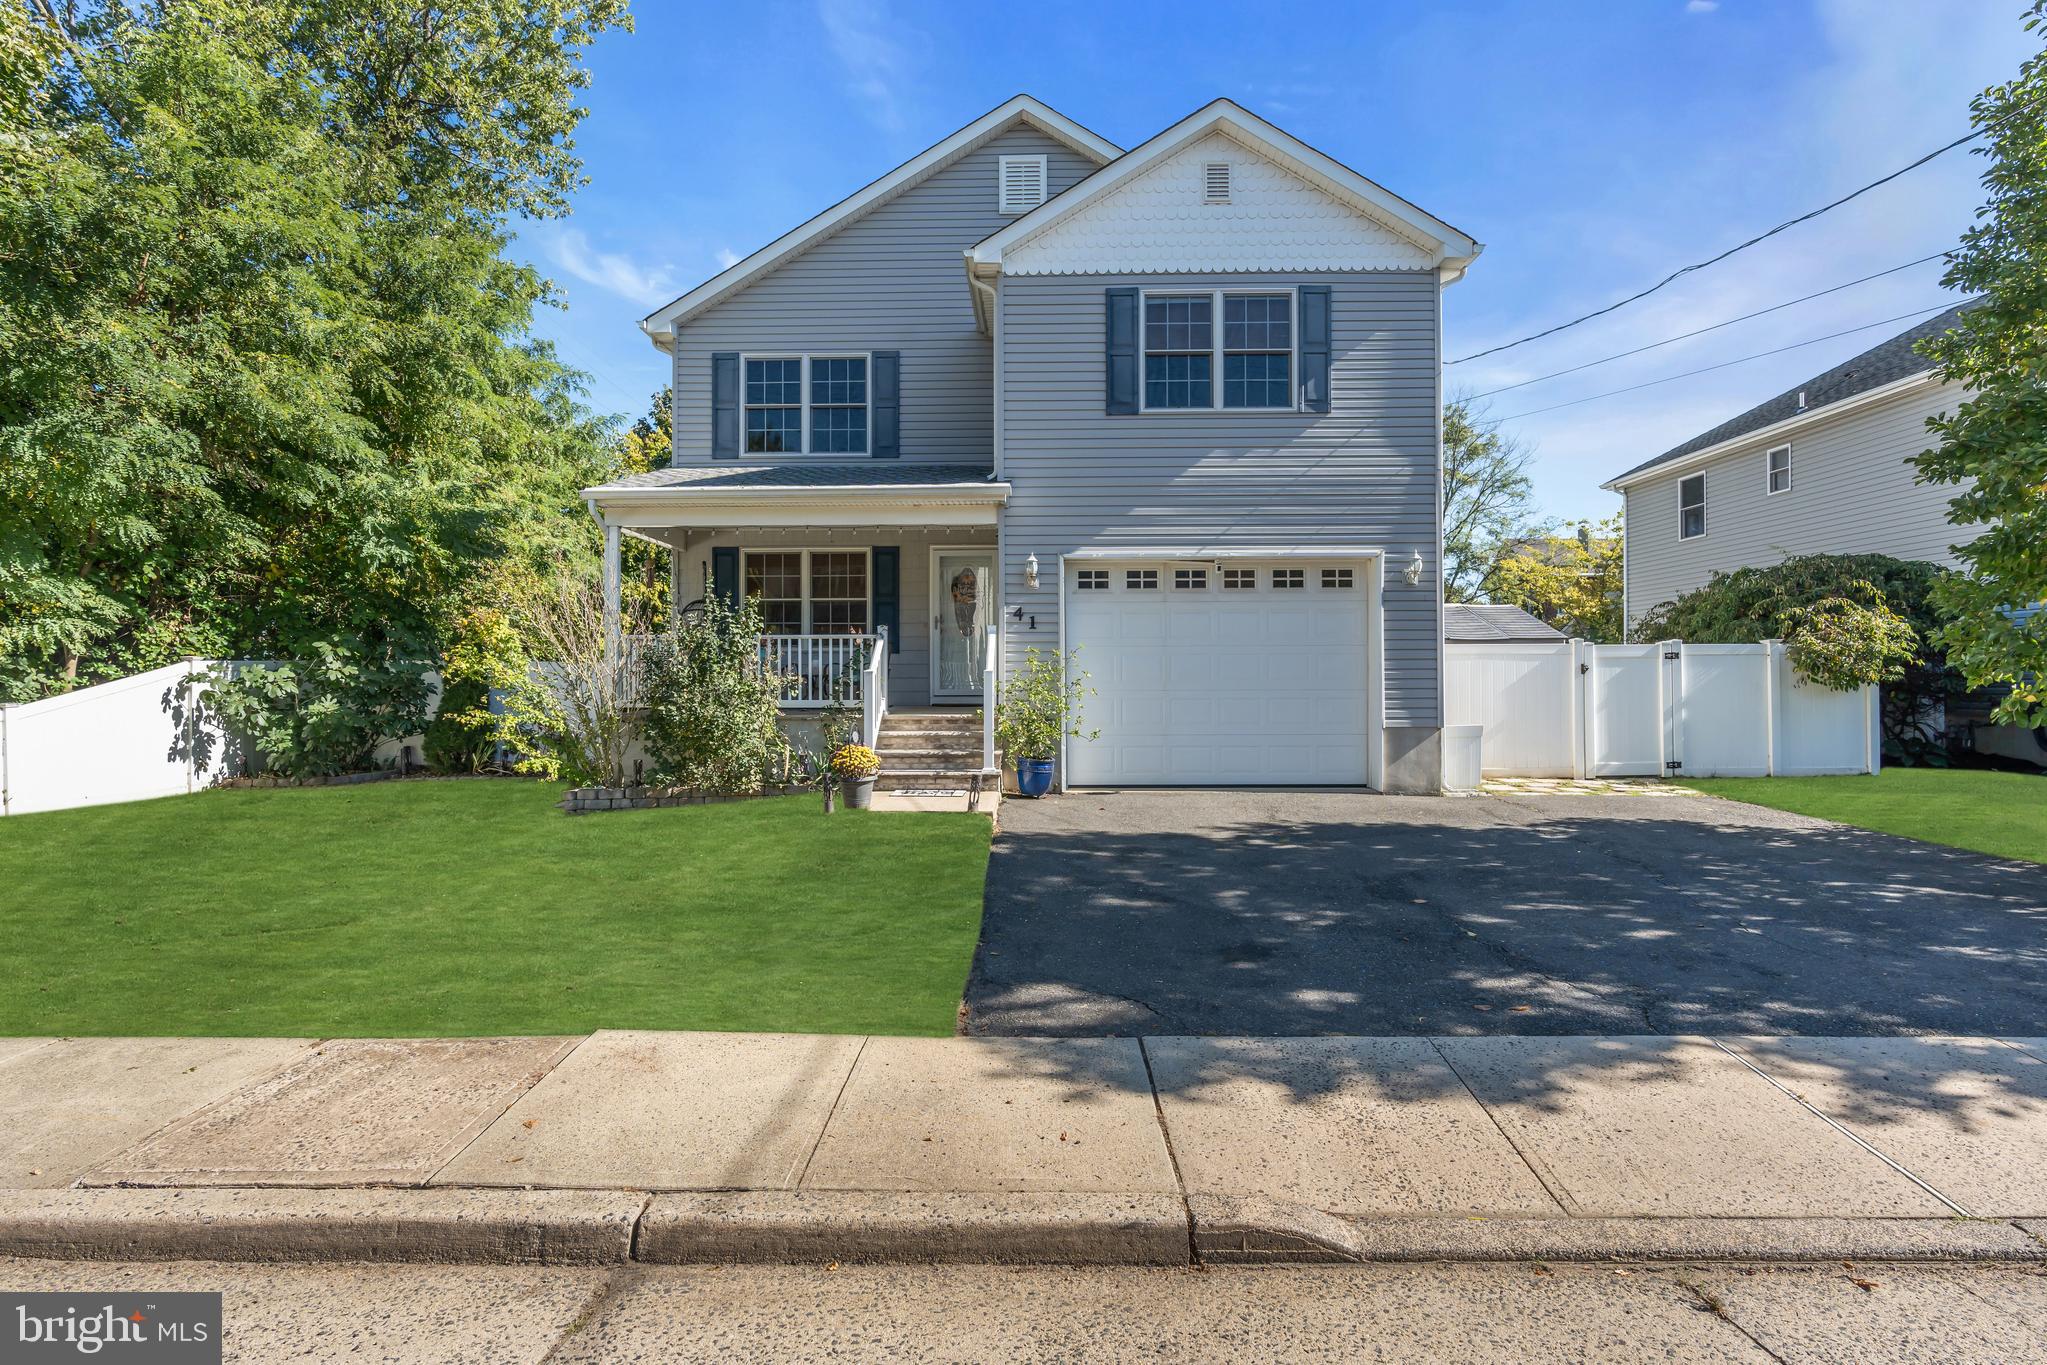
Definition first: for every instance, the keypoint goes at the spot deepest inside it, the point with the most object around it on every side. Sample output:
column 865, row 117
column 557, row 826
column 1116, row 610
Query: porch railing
column 814, row 668
column 874, row 689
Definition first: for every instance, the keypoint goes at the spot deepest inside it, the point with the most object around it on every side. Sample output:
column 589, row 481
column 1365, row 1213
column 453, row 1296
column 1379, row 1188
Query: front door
column 962, row 609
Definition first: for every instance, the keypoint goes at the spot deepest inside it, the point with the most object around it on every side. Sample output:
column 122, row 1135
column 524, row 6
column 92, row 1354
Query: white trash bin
column 1463, row 767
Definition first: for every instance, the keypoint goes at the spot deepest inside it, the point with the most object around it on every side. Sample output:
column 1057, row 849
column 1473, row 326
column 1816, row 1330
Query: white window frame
column 804, row 443
column 1703, row 497
column 1003, row 204
column 1770, row 489
column 1215, row 348
column 866, row 553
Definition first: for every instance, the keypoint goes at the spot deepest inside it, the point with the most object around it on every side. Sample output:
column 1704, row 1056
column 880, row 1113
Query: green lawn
column 450, row 908
column 2000, row 813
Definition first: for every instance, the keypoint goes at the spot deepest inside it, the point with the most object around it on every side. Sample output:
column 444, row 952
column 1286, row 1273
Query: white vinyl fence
column 125, row 740
column 1573, row 709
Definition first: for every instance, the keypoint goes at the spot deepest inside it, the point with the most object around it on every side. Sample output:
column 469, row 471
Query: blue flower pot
column 1033, row 776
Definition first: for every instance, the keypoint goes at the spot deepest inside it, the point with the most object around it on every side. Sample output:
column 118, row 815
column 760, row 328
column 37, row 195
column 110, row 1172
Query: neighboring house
column 1474, row 623
column 1176, row 408
column 1822, row 468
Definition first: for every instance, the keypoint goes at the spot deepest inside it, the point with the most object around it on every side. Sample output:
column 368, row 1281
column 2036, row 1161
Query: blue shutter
column 1122, row 348
column 887, row 573
column 725, row 575
column 886, row 405
column 1315, row 347
column 725, row 405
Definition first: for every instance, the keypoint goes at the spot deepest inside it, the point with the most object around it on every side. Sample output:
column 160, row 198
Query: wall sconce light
column 1031, row 571
column 1415, row 570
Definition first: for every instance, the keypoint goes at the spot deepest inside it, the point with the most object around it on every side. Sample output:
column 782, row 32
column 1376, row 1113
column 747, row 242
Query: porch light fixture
column 1031, row 571
column 1414, row 571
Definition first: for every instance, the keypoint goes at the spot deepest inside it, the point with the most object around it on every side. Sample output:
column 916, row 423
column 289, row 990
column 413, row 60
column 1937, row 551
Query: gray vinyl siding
column 909, row 671
column 1852, row 492
column 1363, row 474
column 891, row 280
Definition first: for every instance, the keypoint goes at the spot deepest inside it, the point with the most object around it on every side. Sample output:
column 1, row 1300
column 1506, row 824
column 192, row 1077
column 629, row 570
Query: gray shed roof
column 1882, row 364
column 1470, row 623
column 870, row 474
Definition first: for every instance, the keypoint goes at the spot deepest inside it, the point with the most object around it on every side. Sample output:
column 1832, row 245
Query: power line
column 1708, row 369
column 1713, row 327
column 1715, row 260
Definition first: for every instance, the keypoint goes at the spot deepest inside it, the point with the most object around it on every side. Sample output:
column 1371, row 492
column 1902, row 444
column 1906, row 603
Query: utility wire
column 1713, row 327
column 1708, row 369
column 1715, row 260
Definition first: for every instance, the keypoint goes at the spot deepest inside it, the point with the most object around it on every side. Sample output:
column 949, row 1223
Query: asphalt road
column 507, row 1315
column 1293, row 912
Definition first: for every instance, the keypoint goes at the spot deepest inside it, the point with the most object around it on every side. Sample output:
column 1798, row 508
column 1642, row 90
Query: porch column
column 613, row 646
column 678, row 568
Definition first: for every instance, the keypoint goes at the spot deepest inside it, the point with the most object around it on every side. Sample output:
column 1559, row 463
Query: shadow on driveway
column 1290, row 913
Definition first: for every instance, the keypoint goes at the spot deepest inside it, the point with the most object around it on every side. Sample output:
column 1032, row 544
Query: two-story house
column 1822, row 468
column 1173, row 409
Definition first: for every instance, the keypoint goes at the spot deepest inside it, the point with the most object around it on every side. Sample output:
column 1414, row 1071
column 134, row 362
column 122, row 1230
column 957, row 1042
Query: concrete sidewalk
column 676, row 1147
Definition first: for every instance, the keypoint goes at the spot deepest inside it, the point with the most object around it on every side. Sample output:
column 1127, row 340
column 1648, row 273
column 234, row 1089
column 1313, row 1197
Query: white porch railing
column 989, row 667
column 874, row 690
column 814, row 667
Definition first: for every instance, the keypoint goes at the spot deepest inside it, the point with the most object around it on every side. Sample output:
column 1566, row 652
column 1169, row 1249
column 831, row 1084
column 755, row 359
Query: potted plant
column 1041, row 705
column 855, row 766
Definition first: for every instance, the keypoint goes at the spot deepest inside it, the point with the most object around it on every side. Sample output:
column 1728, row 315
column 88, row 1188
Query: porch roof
column 793, row 494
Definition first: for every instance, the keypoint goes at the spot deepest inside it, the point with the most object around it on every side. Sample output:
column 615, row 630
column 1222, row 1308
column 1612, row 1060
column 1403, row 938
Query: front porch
column 881, row 594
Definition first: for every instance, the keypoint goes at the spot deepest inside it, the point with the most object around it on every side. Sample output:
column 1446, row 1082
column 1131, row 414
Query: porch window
column 810, row 592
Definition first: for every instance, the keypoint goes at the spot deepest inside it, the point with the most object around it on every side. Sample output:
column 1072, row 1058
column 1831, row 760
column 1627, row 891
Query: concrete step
column 940, row 779
column 957, row 756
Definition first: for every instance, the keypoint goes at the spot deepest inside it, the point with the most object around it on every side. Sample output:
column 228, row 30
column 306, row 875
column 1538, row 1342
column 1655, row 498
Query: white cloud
column 1701, row 6
column 876, row 65
column 727, row 258
column 571, row 250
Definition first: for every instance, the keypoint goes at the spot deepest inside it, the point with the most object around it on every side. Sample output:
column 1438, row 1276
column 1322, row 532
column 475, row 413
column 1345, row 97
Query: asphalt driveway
column 1304, row 912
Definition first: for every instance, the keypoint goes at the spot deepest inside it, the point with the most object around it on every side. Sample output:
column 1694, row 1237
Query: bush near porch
column 2004, row 814
column 436, row 908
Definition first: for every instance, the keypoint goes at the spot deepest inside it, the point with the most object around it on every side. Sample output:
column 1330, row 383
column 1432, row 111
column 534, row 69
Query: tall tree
column 1487, row 499
column 1995, row 442
column 266, row 378
column 1573, row 582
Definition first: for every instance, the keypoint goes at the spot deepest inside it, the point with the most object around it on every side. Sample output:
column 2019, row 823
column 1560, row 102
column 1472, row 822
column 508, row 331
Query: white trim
column 1150, row 553
column 1772, row 432
column 806, row 551
column 994, row 554
column 1453, row 249
column 660, row 324
column 1704, row 498
column 1215, row 346
column 1770, row 472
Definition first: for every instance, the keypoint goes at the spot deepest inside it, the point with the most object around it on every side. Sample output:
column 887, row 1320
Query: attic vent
column 1215, row 183
column 1021, row 183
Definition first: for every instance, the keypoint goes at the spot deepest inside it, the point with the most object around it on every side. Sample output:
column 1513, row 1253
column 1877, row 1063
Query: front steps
column 929, row 749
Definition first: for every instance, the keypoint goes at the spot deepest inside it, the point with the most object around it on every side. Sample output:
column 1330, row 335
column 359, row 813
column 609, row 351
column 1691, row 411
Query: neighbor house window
column 1094, row 580
column 798, row 404
column 1338, row 578
column 1141, row 580
column 1691, row 507
column 1179, row 351
column 1258, row 350
column 815, row 592
column 1780, row 469
column 1289, row 578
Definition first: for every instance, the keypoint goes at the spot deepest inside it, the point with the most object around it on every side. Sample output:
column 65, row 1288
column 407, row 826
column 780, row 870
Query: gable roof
column 1888, row 363
column 660, row 324
column 1475, row 623
column 1452, row 248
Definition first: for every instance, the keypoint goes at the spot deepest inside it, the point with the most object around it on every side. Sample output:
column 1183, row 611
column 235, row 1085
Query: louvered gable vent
column 1022, row 183
column 1215, row 182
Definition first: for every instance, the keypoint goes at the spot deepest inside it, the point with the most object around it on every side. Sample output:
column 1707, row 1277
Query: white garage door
column 1243, row 672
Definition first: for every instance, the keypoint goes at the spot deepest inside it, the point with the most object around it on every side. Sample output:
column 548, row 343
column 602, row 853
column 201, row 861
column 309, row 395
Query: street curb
column 943, row 1228
column 1252, row 1231
column 462, row 1227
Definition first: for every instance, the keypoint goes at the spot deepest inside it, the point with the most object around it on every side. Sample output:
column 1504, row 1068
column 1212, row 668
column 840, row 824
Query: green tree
column 1487, row 500
column 1995, row 442
column 266, row 378
column 1573, row 582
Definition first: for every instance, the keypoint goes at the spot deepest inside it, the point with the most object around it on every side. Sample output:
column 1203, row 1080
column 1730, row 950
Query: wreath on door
column 966, row 596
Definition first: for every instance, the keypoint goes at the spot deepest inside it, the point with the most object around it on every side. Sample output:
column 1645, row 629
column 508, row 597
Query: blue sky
column 1592, row 148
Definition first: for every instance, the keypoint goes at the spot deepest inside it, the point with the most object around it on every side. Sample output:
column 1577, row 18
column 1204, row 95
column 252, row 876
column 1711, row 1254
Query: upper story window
column 1019, row 183
column 798, row 404
column 1779, row 462
column 1254, row 332
column 1691, row 507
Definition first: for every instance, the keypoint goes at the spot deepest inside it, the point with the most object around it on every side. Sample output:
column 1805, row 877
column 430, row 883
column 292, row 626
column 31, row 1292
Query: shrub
column 713, row 723
column 457, row 741
column 1041, row 704
column 1844, row 645
column 325, row 713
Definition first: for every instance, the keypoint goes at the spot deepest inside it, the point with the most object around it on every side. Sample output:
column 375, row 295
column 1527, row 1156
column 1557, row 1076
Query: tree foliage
column 1572, row 582
column 1995, row 442
column 713, row 711
column 324, row 713
column 1488, row 500
column 266, row 377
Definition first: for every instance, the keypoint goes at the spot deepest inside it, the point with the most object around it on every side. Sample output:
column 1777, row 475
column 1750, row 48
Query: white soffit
column 661, row 323
column 1291, row 208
